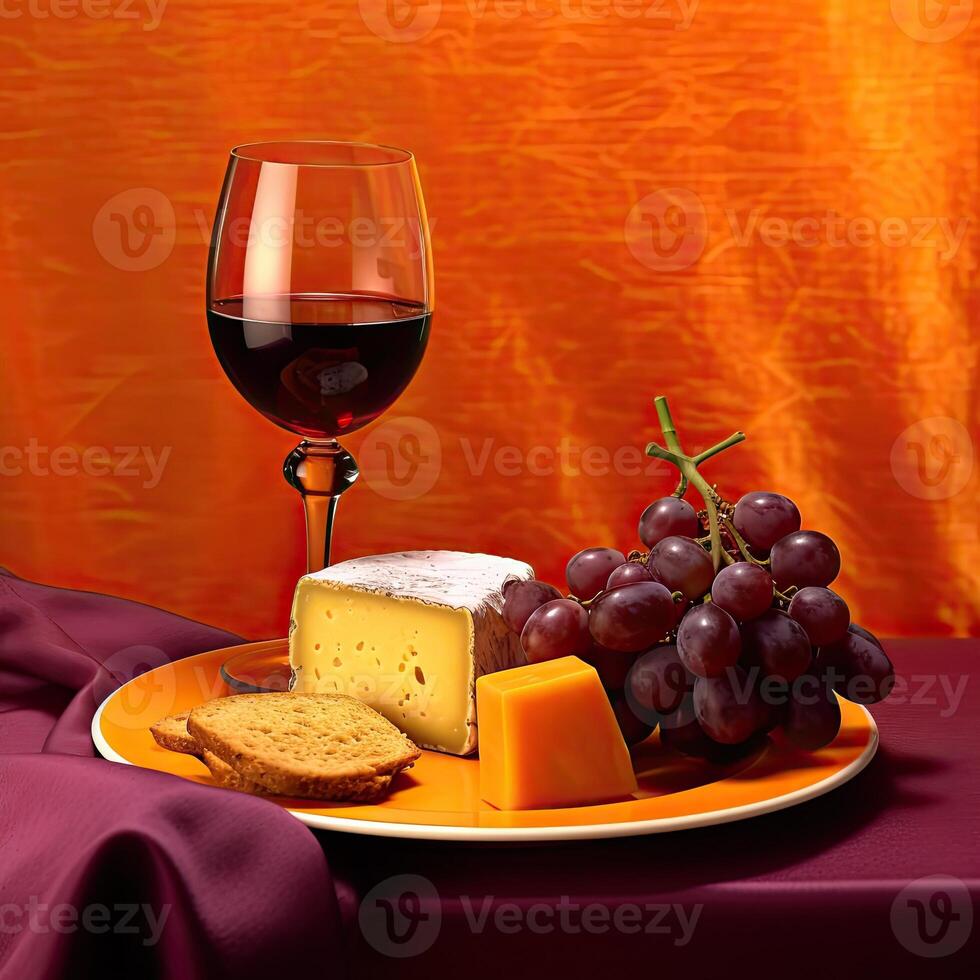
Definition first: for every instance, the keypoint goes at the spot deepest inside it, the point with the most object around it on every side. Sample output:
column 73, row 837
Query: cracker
column 226, row 777
column 319, row 746
column 171, row 733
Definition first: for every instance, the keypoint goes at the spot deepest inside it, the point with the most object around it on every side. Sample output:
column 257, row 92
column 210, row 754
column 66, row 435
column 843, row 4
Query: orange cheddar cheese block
column 549, row 738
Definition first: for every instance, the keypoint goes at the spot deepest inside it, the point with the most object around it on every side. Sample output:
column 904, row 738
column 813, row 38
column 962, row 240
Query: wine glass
column 319, row 299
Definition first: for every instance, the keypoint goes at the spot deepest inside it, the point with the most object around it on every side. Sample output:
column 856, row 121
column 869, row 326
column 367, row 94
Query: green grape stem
column 742, row 546
column 688, row 467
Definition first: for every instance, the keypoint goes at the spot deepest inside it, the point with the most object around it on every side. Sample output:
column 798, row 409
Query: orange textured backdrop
column 767, row 212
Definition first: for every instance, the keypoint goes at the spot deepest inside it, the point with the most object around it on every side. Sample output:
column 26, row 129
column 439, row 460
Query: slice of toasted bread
column 171, row 733
column 225, row 776
column 320, row 746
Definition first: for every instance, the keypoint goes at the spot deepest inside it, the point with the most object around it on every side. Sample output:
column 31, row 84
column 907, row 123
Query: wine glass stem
column 321, row 472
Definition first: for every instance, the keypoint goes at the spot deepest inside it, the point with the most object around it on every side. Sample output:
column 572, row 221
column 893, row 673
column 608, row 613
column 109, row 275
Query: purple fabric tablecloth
column 880, row 875
column 878, row 878
column 113, row 871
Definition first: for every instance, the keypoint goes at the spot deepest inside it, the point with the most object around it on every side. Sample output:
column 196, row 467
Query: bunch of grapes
column 722, row 631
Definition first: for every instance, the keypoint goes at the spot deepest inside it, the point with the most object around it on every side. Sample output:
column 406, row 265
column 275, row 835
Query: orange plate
column 439, row 798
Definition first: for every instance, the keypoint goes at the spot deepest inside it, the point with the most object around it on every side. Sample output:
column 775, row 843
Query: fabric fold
column 107, row 868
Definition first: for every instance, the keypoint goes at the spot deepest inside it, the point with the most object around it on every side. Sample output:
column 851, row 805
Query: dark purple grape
column 631, row 571
column 683, row 566
column 862, row 671
column 589, row 570
column 635, row 729
column 680, row 610
column 743, row 590
column 681, row 732
column 728, row 707
column 657, row 683
column 777, row 644
column 762, row 518
column 708, row 640
column 665, row 517
column 522, row 598
column 867, row 634
column 633, row 617
column 811, row 716
column 611, row 665
column 804, row 558
column 772, row 710
column 822, row 613
column 559, row 628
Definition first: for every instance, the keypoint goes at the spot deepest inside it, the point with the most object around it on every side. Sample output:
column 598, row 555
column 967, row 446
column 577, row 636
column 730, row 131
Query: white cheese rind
column 468, row 583
column 457, row 579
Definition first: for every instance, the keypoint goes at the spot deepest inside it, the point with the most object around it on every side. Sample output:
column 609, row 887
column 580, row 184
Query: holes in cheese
column 408, row 634
column 549, row 738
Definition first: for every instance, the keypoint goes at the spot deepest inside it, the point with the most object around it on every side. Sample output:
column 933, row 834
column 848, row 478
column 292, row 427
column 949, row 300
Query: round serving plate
column 439, row 798
column 256, row 668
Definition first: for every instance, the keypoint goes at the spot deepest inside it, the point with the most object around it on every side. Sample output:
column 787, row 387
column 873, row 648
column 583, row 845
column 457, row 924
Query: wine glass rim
column 261, row 150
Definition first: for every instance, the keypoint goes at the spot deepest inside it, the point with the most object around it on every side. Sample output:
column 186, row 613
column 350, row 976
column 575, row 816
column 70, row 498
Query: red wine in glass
column 328, row 364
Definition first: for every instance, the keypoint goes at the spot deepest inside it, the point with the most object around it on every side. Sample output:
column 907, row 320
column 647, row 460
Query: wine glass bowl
column 319, row 298
column 326, row 365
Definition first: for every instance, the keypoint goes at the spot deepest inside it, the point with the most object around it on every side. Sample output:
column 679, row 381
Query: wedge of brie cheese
column 408, row 634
